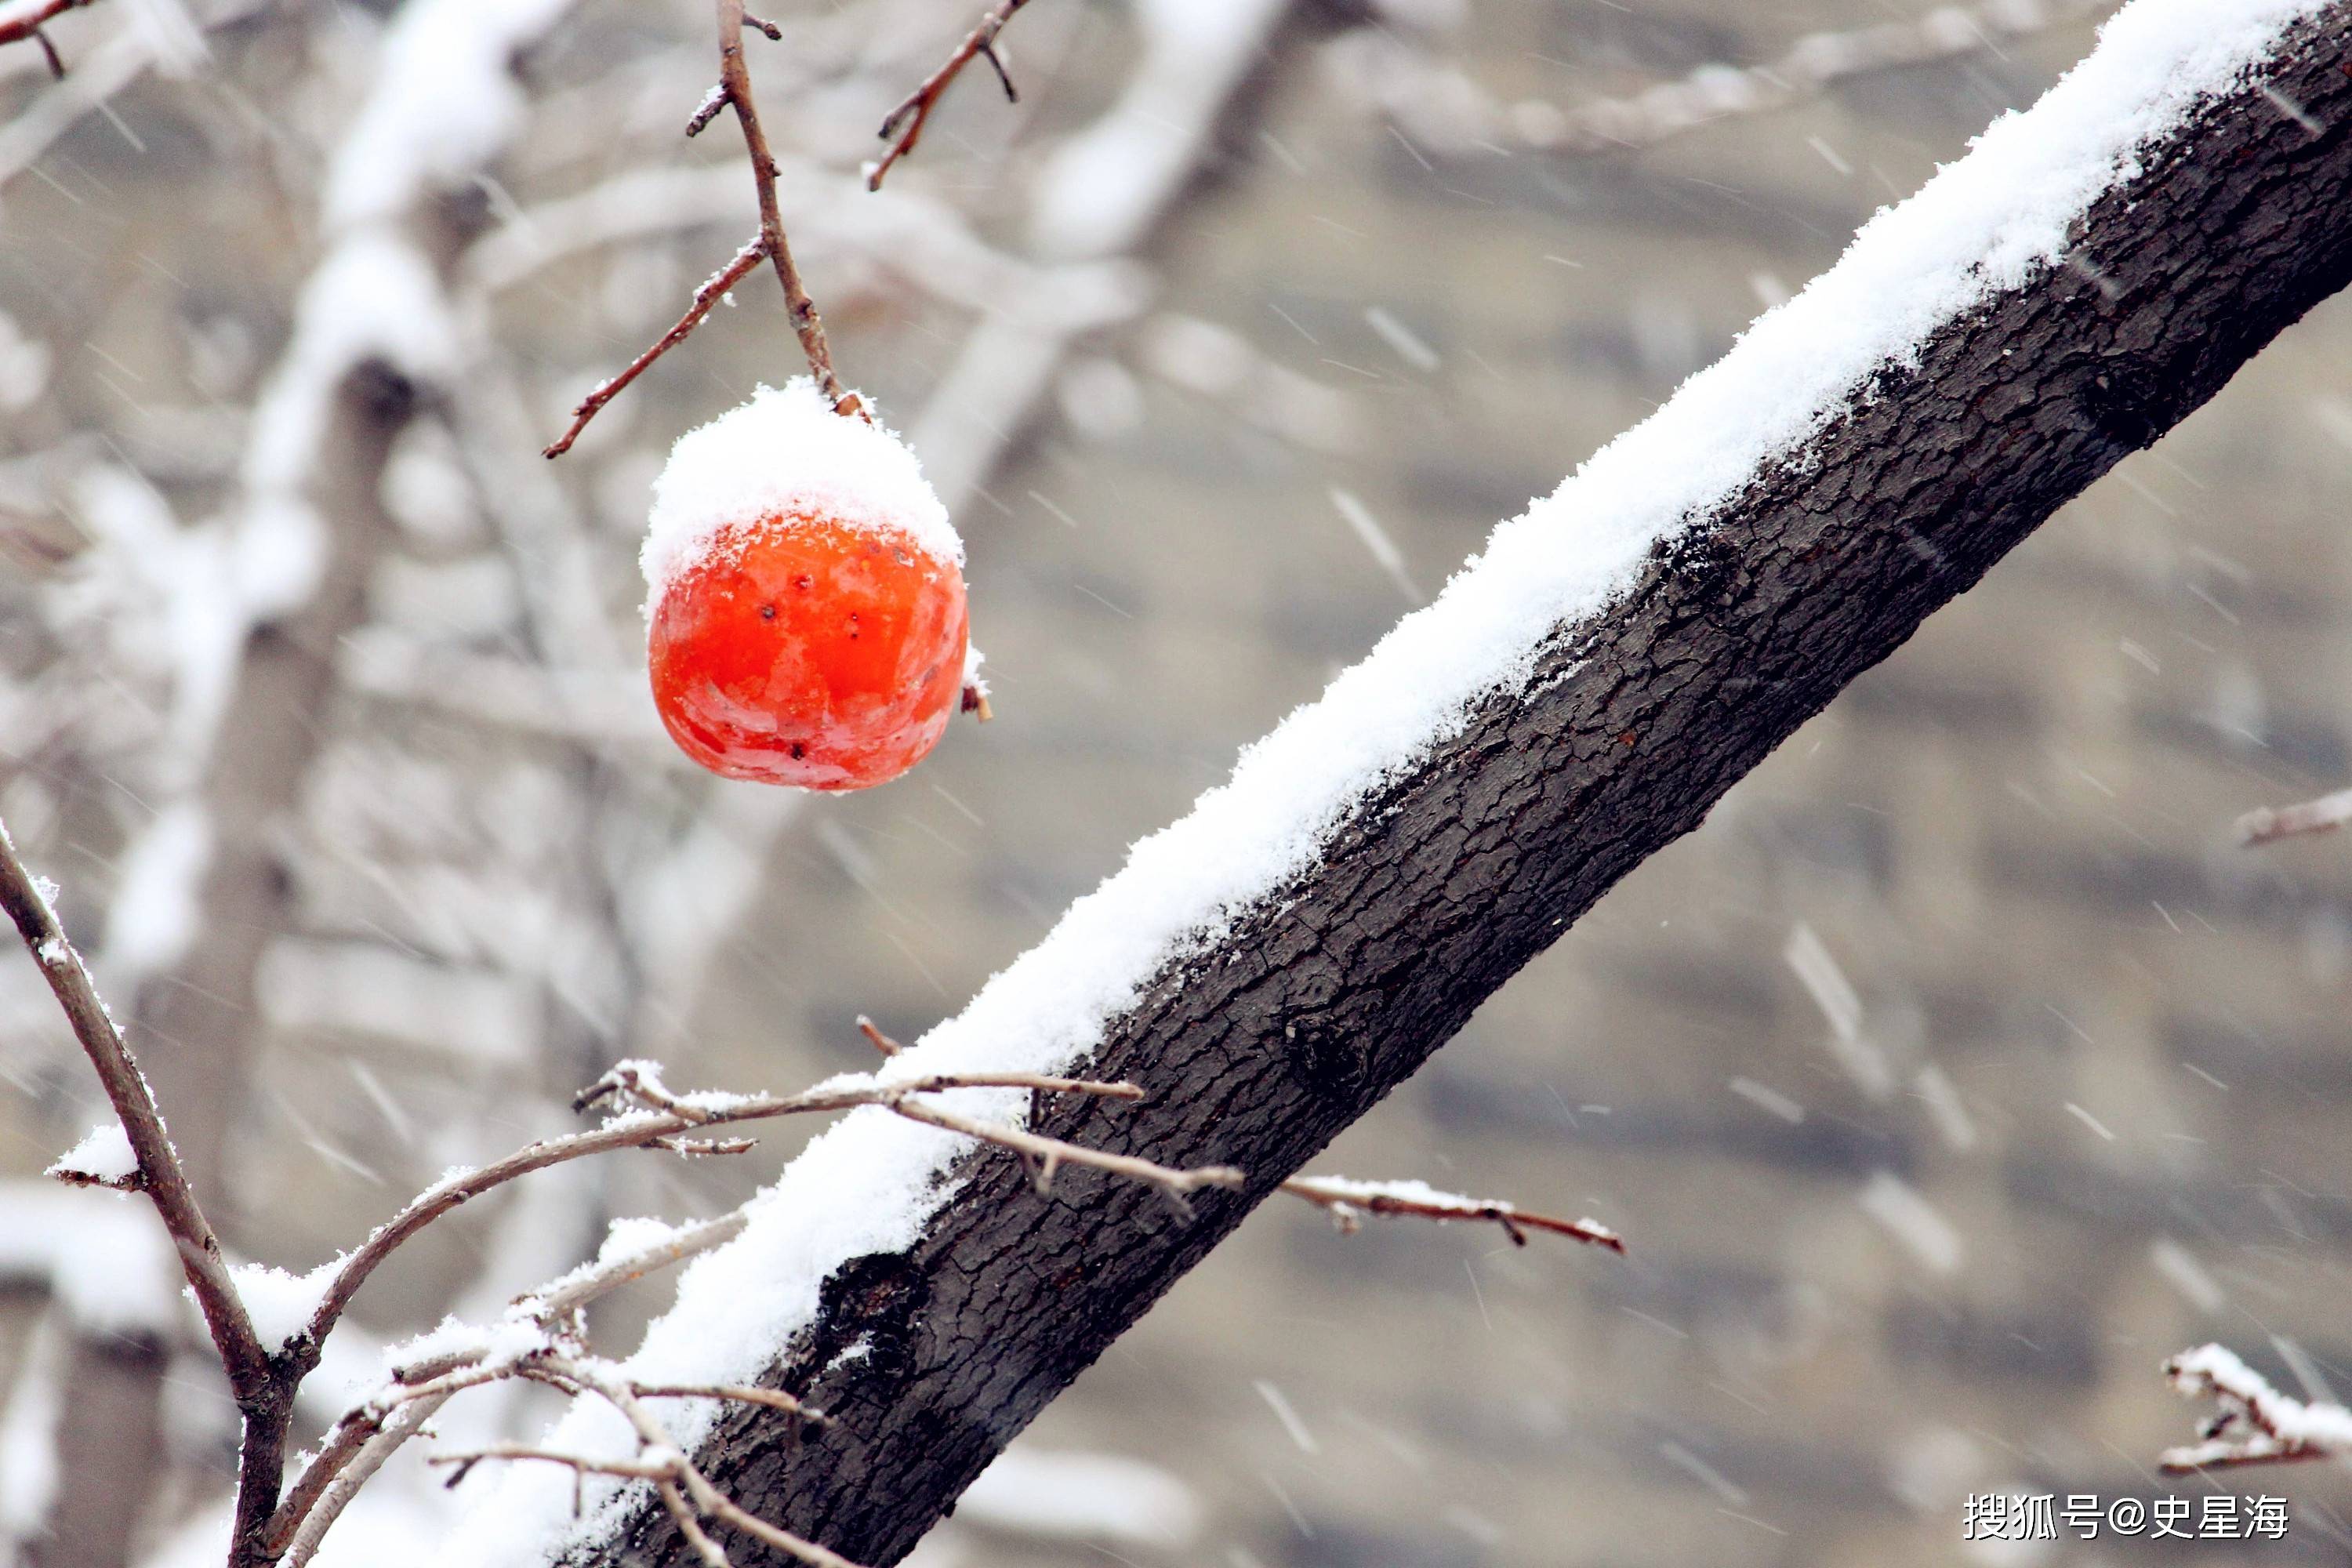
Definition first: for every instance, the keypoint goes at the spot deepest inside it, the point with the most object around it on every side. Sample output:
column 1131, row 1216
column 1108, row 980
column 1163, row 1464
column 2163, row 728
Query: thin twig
column 1046, row 1154
column 2265, row 824
column 773, row 1398
column 1349, row 1201
column 18, row 29
column 667, row 1115
column 735, row 81
column 734, row 90
column 707, row 1499
column 306, row 1524
column 160, row 1176
column 713, row 290
column 2257, row 1424
column 903, row 126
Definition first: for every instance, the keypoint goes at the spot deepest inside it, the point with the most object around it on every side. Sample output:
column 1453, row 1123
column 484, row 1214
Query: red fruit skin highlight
column 798, row 650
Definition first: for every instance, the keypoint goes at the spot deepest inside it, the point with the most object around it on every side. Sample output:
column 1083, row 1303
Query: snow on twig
column 1439, row 106
column 1348, row 1201
column 2256, row 1425
column 903, row 126
column 2266, row 823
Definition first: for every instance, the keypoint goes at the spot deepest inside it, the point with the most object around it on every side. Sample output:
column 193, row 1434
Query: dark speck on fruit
column 767, row 612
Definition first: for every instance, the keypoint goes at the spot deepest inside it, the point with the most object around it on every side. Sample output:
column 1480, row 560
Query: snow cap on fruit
column 786, row 452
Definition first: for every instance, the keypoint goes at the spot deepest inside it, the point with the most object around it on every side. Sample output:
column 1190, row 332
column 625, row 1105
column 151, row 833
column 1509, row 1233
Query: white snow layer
column 1984, row 224
column 104, row 1152
column 785, row 450
column 280, row 1304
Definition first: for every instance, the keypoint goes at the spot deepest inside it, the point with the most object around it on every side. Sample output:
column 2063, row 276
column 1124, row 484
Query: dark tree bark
column 1441, row 886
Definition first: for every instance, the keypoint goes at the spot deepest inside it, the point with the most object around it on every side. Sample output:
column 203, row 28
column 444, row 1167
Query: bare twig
column 903, row 126
column 160, row 1174
column 734, row 91
column 2265, row 824
column 735, row 82
column 18, row 29
column 311, row 1508
column 1349, row 1201
column 2257, row 1425
column 713, row 290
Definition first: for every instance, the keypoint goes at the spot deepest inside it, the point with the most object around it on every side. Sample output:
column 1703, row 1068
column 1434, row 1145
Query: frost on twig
column 1349, row 1201
column 2255, row 1425
column 2265, row 823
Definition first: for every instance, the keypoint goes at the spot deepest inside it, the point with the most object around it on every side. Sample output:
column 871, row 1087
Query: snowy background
column 1956, row 1072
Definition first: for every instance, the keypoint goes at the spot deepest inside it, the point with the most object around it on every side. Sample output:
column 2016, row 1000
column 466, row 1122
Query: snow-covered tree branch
column 1577, row 699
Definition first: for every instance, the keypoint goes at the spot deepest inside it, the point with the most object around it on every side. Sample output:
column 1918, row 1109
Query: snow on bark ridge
column 1983, row 226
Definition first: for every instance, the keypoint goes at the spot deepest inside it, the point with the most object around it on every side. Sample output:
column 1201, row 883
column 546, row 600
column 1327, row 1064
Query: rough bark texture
column 1261, row 1049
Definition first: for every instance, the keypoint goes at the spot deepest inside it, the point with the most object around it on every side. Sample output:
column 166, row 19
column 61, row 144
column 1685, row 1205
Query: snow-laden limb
column 1348, row 1201
column 1988, row 226
column 2265, row 824
column 2256, row 1424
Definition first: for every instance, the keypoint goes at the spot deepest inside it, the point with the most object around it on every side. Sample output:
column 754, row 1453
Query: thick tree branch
column 1300, row 1010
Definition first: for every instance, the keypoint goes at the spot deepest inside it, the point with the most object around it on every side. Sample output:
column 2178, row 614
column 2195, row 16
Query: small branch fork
column 29, row 26
column 903, row 126
column 713, row 290
column 2256, row 1425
